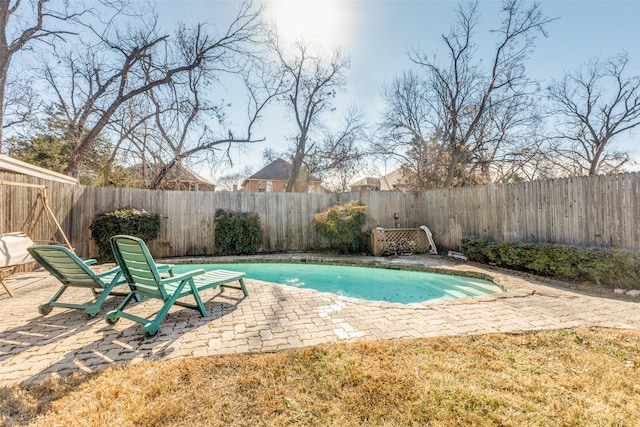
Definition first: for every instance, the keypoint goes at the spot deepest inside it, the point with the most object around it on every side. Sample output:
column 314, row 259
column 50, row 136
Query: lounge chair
column 139, row 269
column 71, row 271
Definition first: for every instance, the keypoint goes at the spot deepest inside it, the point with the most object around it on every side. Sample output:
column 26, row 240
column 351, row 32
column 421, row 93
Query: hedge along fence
column 131, row 222
column 607, row 266
column 596, row 211
column 237, row 233
column 342, row 226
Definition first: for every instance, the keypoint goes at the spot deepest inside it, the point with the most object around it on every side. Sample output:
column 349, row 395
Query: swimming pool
column 369, row 283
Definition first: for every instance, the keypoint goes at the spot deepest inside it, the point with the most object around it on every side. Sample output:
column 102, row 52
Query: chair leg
column 242, row 287
column 150, row 330
column 91, row 311
column 171, row 301
column 46, row 308
column 58, row 294
column 151, row 327
column 111, row 317
column 164, row 310
column 6, row 287
column 199, row 303
column 127, row 300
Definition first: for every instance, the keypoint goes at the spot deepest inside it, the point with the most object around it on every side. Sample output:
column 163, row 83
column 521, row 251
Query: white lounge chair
column 13, row 252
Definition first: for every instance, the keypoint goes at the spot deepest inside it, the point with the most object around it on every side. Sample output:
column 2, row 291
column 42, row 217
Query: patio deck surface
column 276, row 317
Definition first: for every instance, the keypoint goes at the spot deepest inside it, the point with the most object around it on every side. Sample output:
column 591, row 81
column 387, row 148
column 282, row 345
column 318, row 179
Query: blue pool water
column 373, row 284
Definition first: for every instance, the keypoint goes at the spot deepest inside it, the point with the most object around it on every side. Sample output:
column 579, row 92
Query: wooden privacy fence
column 188, row 218
column 585, row 211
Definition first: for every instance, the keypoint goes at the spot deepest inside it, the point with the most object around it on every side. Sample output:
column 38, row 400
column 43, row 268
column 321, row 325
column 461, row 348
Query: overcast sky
column 378, row 34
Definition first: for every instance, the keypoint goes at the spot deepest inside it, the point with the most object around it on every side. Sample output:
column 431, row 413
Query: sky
column 378, row 34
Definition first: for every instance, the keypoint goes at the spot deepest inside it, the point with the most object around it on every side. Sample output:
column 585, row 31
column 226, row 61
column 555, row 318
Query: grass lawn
column 581, row 377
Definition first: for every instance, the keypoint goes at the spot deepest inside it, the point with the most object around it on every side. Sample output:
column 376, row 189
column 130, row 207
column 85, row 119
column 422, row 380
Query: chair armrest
column 90, row 261
column 165, row 268
column 183, row 276
column 112, row 270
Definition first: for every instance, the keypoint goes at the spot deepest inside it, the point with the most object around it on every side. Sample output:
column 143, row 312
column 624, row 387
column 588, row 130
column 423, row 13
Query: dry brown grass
column 582, row 377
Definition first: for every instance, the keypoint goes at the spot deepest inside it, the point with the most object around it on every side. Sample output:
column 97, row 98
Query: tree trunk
column 83, row 145
column 4, row 68
column 451, row 171
column 295, row 172
column 5, row 57
column 162, row 173
column 595, row 162
column 297, row 162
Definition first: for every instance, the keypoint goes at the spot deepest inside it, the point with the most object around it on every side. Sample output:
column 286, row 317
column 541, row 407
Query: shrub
column 133, row 222
column 613, row 267
column 237, row 233
column 342, row 226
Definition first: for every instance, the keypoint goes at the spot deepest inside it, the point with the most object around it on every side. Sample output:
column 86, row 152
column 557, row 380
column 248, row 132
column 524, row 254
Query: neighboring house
column 273, row 178
column 393, row 181
column 366, row 184
column 178, row 178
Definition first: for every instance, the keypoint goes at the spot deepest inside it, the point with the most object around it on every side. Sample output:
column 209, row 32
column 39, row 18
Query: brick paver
column 275, row 317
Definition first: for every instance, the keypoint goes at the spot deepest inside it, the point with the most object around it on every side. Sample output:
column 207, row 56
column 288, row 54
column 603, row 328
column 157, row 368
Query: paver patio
column 276, row 317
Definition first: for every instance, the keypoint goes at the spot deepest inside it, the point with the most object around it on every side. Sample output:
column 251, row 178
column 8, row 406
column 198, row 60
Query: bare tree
column 181, row 119
column 526, row 164
column 129, row 128
column 269, row 155
column 475, row 107
column 22, row 23
column 424, row 164
column 310, row 85
column 595, row 104
column 409, row 114
column 233, row 181
column 506, row 137
column 410, row 133
column 45, row 142
column 21, row 101
column 125, row 64
column 339, row 155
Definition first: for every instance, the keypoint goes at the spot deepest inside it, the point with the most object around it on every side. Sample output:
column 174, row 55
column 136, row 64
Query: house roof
column 278, row 170
column 393, row 180
column 17, row 166
column 368, row 181
column 177, row 173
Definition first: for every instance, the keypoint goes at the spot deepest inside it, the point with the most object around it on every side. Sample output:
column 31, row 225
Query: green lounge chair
column 71, row 271
column 138, row 267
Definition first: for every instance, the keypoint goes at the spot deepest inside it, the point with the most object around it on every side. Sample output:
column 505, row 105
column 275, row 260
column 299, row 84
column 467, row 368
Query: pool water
column 373, row 284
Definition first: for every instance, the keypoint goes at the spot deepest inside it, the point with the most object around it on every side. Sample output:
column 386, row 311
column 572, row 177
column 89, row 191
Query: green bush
column 342, row 226
column 612, row 267
column 237, row 233
column 132, row 222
